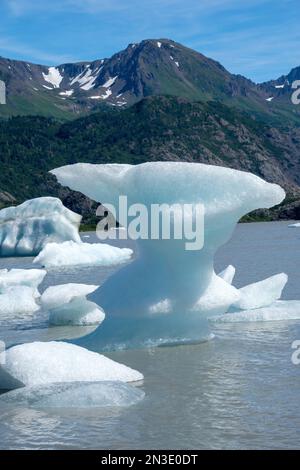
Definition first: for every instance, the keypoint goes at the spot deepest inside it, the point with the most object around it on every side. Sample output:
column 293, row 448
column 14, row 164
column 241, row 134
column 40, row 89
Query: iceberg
column 22, row 277
column 26, row 229
column 261, row 294
column 42, row 363
column 74, row 254
column 74, row 395
column 67, row 305
column 281, row 310
column 165, row 272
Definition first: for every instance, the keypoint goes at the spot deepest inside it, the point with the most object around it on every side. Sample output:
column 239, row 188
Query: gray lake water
column 239, row 390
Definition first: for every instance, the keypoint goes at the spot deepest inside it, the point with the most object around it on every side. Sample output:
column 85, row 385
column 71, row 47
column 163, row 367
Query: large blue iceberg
column 167, row 294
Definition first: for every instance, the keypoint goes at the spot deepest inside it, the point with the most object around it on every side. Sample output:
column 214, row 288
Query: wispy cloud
column 10, row 45
column 253, row 37
column 169, row 7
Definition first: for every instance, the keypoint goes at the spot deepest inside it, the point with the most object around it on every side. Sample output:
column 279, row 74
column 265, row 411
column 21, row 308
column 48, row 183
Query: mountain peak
column 148, row 68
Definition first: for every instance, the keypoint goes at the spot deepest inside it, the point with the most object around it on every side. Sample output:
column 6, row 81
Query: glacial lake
column 240, row 390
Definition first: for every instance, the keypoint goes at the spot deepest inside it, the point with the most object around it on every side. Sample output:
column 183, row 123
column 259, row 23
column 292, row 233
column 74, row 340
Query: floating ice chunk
column 42, row 363
column 67, row 305
column 261, row 294
column 218, row 296
column 158, row 44
column 25, row 229
column 270, row 99
column 18, row 299
column 279, row 311
column 55, row 296
column 74, row 395
column 165, row 269
column 78, row 312
column 228, row 274
column 53, row 76
column 22, row 277
column 73, row 254
column 296, row 225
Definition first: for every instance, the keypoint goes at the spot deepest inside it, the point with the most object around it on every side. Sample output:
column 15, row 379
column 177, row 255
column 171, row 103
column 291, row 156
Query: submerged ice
column 74, row 395
column 26, row 229
column 168, row 292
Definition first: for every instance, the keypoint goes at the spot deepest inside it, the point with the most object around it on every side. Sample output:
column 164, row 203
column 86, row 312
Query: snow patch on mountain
column 67, row 93
column 86, row 79
column 53, row 77
column 110, row 82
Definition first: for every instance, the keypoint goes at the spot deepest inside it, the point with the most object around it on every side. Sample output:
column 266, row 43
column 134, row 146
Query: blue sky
column 256, row 38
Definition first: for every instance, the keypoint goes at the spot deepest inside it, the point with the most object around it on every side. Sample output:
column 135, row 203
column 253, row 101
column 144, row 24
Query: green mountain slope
column 156, row 128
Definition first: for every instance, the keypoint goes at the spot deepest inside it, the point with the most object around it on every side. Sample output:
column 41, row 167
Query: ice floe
column 18, row 299
column 22, row 277
column 74, row 254
column 261, row 294
column 43, row 363
column 67, row 305
column 281, row 310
